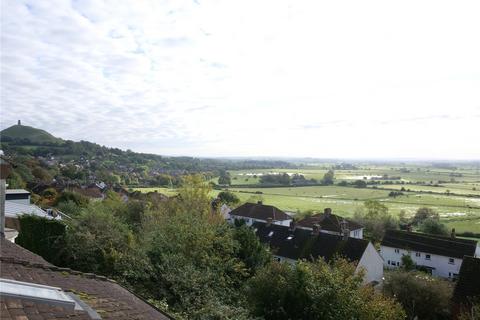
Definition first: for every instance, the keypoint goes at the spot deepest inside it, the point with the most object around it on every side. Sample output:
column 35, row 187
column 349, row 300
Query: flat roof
column 16, row 191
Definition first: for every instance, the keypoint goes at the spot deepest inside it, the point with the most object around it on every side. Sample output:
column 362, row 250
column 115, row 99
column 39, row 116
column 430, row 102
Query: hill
column 41, row 157
column 20, row 134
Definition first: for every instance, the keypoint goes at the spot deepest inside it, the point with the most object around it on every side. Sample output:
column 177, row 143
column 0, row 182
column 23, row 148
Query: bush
column 433, row 226
column 421, row 295
column 45, row 237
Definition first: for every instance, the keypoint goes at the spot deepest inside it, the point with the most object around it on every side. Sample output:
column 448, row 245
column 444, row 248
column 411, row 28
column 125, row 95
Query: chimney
column 269, row 222
column 259, row 202
column 327, row 211
column 316, row 229
column 453, row 233
column 19, row 122
column 409, row 228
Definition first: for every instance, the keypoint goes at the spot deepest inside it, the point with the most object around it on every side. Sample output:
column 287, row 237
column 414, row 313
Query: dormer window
column 427, row 257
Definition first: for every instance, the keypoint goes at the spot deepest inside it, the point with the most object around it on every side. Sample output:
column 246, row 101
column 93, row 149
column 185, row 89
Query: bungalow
column 328, row 222
column 292, row 243
column 259, row 212
column 441, row 256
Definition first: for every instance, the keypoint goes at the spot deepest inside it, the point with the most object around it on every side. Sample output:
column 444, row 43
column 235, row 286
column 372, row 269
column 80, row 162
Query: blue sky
column 345, row 79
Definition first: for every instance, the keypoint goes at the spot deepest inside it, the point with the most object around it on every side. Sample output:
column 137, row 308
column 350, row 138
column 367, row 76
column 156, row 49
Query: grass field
column 456, row 211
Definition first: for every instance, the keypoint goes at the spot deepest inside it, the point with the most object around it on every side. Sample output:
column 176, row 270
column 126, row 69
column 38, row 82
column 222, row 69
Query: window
column 270, row 233
column 388, row 262
column 427, row 257
column 451, row 261
column 397, row 251
column 289, row 237
column 418, row 254
column 398, row 264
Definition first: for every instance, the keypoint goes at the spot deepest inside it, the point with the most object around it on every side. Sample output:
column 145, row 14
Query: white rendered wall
column 443, row 268
column 372, row 263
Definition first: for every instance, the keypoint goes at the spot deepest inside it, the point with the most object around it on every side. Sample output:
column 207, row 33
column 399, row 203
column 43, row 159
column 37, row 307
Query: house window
column 427, row 257
column 418, row 254
column 451, row 261
column 388, row 262
column 398, row 264
column 397, row 251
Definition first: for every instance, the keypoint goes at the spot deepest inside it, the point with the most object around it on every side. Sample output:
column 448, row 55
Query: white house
column 259, row 212
column 327, row 222
column 19, row 196
column 291, row 244
column 441, row 256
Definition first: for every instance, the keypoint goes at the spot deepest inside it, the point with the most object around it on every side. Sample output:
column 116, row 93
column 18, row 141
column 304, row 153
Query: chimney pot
column 293, row 225
column 453, row 233
column 259, row 202
column 327, row 211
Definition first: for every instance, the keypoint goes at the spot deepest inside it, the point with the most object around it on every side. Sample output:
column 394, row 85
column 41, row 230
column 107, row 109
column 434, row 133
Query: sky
column 328, row 79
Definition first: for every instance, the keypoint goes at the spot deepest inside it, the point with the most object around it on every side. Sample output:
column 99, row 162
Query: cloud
column 246, row 78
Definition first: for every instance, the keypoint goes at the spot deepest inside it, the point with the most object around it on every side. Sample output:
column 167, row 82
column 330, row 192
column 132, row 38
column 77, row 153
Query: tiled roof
column 328, row 221
column 441, row 245
column 104, row 296
column 16, row 191
column 13, row 209
column 303, row 244
column 260, row 211
column 468, row 284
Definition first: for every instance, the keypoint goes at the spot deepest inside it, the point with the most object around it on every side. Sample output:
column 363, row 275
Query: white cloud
column 261, row 78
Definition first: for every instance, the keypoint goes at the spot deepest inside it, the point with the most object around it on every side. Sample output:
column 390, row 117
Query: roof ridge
column 55, row 268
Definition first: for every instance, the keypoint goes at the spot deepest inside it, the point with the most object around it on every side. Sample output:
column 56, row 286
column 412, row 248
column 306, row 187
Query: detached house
column 292, row 243
column 258, row 212
column 328, row 222
column 441, row 256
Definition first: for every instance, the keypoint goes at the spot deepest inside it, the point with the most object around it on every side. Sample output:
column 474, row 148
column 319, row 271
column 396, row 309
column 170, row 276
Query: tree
column 228, row 197
column 421, row 295
column 423, row 214
column 407, row 263
column 328, row 177
column 316, row 291
column 433, row 226
column 376, row 219
column 224, row 178
column 360, row 184
column 41, row 174
column 250, row 250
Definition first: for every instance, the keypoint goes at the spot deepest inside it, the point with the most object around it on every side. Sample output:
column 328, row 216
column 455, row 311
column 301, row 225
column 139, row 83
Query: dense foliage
column 421, row 295
column 316, row 291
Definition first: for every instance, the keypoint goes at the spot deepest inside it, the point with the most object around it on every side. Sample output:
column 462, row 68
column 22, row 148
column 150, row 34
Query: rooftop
column 328, row 221
column 104, row 296
column 16, row 191
column 422, row 242
column 303, row 244
column 260, row 211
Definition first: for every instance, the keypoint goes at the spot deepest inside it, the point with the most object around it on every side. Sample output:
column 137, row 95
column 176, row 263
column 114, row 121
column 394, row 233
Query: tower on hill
column 19, row 123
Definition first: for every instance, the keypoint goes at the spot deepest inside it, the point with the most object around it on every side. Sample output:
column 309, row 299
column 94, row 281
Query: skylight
column 270, row 233
column 289, row 237
column 36, row 293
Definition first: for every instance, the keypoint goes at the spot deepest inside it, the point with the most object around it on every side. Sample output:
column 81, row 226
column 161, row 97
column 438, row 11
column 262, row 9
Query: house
column 259, row 212
column 331, row 223
column 467, row 288
column 17, row 202
column 20, row 196
column 32, row 288
column 441, row 256
column 292, row 243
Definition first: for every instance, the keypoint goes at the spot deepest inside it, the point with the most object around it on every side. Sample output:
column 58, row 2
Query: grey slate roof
column 302, row 244
column 440, row 245
column 260, row 211
column 328, row 221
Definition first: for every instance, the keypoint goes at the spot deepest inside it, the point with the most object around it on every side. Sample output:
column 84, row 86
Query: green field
column 456, row 211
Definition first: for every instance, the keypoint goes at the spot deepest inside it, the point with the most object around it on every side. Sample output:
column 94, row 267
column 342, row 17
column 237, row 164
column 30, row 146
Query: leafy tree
column 433, row 226
column 78, row 199
column 224, row 178
column 421, row 295
column 423, row 214
column 328, row 177
column 360, row 184
column 407, row 263
column 41, row 174
column 376, row 219
column 228, row 197
column 316, row 291
column 251, row 251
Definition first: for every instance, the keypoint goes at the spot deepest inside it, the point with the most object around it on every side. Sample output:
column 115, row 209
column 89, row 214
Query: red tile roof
column 105, row 296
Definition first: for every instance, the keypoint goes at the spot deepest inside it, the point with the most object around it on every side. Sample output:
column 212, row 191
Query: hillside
column 41, row 157
column 20, row 134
